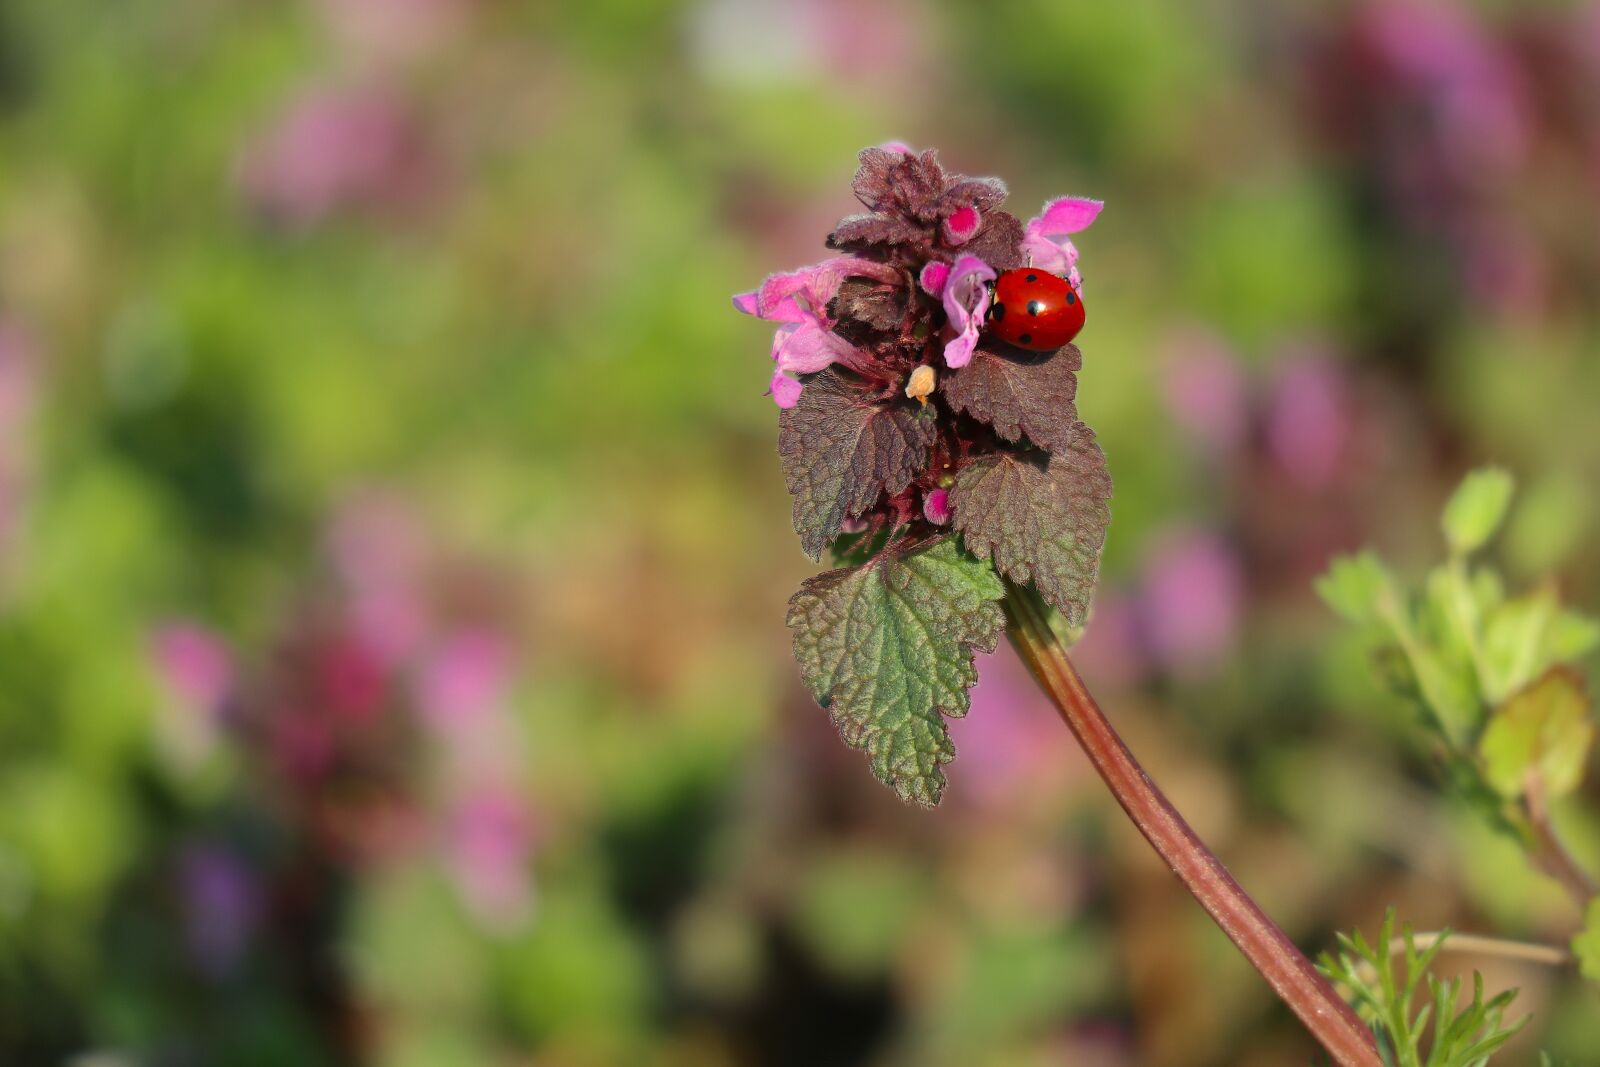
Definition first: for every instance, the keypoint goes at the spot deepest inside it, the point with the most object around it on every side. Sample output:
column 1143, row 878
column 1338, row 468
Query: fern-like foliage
column 1398, row 998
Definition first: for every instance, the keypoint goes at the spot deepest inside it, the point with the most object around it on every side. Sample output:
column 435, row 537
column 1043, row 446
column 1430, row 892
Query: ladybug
column 1034, row 309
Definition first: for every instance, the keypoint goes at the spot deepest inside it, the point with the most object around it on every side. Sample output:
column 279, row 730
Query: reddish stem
column 1549, row 853
column 1310, row 996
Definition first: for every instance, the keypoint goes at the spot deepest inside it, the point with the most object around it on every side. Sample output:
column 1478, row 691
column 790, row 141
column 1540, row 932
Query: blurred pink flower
column 1011, row 737
column 1192, row 600
column 1205, row 390
column 334, row 150
column 1308, row 423
column 1046, row 240
column 489, row 851
column 936, row 506
column 18, row 368
column 465, row 679
column 194, row 667
column 379, row 553
column 966, row 298
column 1468, row 77
column 805, row 342
column 1109, row 652
column 194, row 664
column 350, row 682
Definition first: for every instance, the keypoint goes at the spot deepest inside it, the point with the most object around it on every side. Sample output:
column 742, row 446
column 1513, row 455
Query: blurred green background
column 393, row 552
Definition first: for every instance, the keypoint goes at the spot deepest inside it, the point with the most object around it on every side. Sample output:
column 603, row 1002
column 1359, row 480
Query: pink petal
column 960, row 226
column 1041, row 252
column 936, row 507
column 958, row 352
column 965, row 293
column 785, row 390
column 777, row 296
column 746, row 302
column 809, row 348
column 1069, row 214
column 933, row 277
column 898, row 146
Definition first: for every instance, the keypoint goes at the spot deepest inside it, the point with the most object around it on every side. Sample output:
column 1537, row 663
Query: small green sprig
column 1387, row 996
column 1491, row 673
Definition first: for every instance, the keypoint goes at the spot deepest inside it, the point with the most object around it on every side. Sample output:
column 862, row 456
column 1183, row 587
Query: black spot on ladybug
column 1032, row 278
column 1034, row 307
column 997, row 312
column 1025, row 339
column 1072, row 298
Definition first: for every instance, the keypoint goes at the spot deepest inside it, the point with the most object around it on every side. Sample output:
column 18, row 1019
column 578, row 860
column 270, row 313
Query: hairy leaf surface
column 1021, row 396
column 887, row 648
column 841, row 447
column 1042, row 517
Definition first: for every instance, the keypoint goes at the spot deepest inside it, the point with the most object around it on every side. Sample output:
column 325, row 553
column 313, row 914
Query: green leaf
column 887, row 648
column 842, row 447
column 1042, row 518
column 1544, row 730
column 1572, row 636
column 1021, row 396
column 1476, row 509
column 1586, row 946
column 1383, row 985
column 1516, row 642
column 1356, row 586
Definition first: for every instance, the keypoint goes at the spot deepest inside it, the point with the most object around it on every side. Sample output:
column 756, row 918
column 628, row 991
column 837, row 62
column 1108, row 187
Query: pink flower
column 1045, row 239
column 962, row 224
column 465, row 679
column 936, row 507
column 196, row 671
column 1010, row 742
column 1308, row 424
column 1205, row 390
column 194, row 665
column 334, row 150
column 805, row 342
column 18, row 362
column 966, row 298
column 1193, row 599
column 379, row 552
column 488, row 851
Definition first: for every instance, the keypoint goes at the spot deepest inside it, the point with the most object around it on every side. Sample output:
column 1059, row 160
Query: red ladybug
column 1034, row 309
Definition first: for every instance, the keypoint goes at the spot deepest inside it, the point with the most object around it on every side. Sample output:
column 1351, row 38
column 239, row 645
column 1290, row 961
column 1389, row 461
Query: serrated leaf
column 1476, row 509
column 998, row 241
column 1021, row 395
column 1355, row 586
column 1041, row 517
column 1586, row 946
column 862, row 233
column 1543, row 731
column 887, row 648
column 842, row 448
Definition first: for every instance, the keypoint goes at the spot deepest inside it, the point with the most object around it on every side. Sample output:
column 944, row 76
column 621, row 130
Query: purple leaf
column 842, row 447
column 1021, row 396
column 1043, row 518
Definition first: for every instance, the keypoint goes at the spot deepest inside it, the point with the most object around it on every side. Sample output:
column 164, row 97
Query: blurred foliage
column 393, row 557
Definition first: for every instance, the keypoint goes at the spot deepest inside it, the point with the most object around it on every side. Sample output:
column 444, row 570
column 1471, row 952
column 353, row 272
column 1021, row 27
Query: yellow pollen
column 921, row 384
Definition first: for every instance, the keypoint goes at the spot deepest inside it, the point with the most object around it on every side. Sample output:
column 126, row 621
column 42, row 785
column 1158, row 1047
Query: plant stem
column 1549, row 854
column 1298, row 984
column 1478, row 945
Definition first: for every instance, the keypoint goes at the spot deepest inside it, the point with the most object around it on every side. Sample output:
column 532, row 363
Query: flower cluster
column 906, row 422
